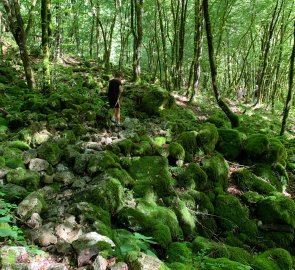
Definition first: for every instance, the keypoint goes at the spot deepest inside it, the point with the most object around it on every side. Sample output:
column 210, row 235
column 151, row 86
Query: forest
column 190, row 167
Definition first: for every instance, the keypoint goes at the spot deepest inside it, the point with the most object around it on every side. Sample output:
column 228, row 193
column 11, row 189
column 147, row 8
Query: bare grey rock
column 38, row 165
column 35, row 221
column 68, row 232
column 100, row 263
column 146, row 262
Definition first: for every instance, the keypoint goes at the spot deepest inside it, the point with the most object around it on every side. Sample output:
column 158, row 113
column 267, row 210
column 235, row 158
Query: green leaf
column 5, row 219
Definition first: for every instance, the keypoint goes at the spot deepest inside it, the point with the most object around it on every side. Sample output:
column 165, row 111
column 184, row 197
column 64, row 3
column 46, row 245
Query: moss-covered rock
column 162, row 235
column 247, row 181
column 179, row 252
column 223, row 264
column 186, row 219
column 24, row 178
column 155, row 99
column 143, row 148
column 81, row 162
column 273, row 259
column 193, row 177
column 217, row 171
column 219, row 119
column 277, row 152
column 153, row 172
column 176, row 153
column 276, row 239
column 19, row 145
column 188, row 140
column 33, row 203
column 229, row 143
column 107, row 194
column 13, row 193
column 50, row 152
column 257, row 147
column 14, row 163
column 100, row 162
column 180, row 266
column 213, row 249
column 120, row 174
column 207, row 137
column 125, row 146
column 232, row 216
column 276, row 209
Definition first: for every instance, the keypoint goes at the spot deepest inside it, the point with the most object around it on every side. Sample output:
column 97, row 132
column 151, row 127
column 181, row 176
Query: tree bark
column 231, row 116
column 290, row 90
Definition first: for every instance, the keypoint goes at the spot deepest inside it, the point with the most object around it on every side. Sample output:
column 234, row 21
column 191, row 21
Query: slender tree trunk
column 290, row 90
column 164, row 46
column 1, row 33
column 91, row 36
column 46, row 22
column 231, row 116
column 58, row 33
column 16, row 25
column 30, row 19
column 137, row 31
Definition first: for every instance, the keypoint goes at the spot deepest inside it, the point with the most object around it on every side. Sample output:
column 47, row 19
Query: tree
column 231, row 116
column 290, row 90
column 17, row 28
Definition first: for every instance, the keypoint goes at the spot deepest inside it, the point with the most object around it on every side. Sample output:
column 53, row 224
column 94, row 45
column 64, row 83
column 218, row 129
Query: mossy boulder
column 257, row 147
column 186, row 219
column 142, row 148
column 107, row 194
column 217, row 170
column 233, row 216
column 156, row 99
column 277, row 209
column 14, row 163
column 33, row 203
column 81, row 162
column 223, row 264
column 13, row 193
column 188, row 140
column 209, row 248
column 120, row 174
column 176, row 153
column 162, row 235
column 247, row 181
column 179, row 252
column 277, row 151
column 125, row 146
column 193, row 177
column 50, row 151
column 273, row 259
column 24, row 178
column 207, row 138
column 153, row 171
column 219, row 119
column 19, row 145
column 101, row 162
column 229, row 143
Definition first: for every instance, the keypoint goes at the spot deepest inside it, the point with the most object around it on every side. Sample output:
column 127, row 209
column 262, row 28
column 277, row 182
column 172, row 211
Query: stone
column 146, row 262
column 100, row 263
column 86, row 257
column 41, row 137
column 64, row 177
column 33, row 203
column 35, row 221
column 47, row 179
column 45, row 237
column 119, row 266
column 38, row 165
column 90, row 239
column 68, row 232
column 29, row 155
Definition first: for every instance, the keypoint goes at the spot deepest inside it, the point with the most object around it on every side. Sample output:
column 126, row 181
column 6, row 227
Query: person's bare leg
column 117, row 115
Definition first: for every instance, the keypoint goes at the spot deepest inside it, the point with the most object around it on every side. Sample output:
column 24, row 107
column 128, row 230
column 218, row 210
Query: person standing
column 114, row 93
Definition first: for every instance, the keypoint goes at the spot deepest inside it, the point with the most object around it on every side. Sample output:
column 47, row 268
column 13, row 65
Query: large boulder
column 50, row 152
column 207, row 137
column 24, row 178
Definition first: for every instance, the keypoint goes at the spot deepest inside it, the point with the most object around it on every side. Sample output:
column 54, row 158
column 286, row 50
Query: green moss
column 159, row 140
column 143, row 148
column 219, row 120
column 277, row 209
column 266, row 172
column 179, row 252
column 281, row 174
column 188, row 140
column 101, row 162
column 277, row 151
column 13, row 193
column 229, row 143
column 21, row 177
column 120, row 174
column 257, row 147
column 207, row 137
column 14, row 163
column 50, row 152
column 155, row 99
column 251, row 197
column 273, row 259
column 19, row 145
column 246, row 181
column 108, row 194
column 224, row 264
column 185, row 218
column 126, row 146
column 232, row 216
column 202, row 202
column 272, row 239
column 180, row 266
column 217, row 171
column 192, row 177
column 176, row 153
column 152, row 170
column 103, row 229
column 162, row 235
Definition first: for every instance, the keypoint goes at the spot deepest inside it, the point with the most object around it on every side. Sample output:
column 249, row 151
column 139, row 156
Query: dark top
column 114, row 93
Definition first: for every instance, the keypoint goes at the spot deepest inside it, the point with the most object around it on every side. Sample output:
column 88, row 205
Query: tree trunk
column 16, row 25
column 290, row 90
column 58, row 33
column 231, row 116
column 45, row 25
